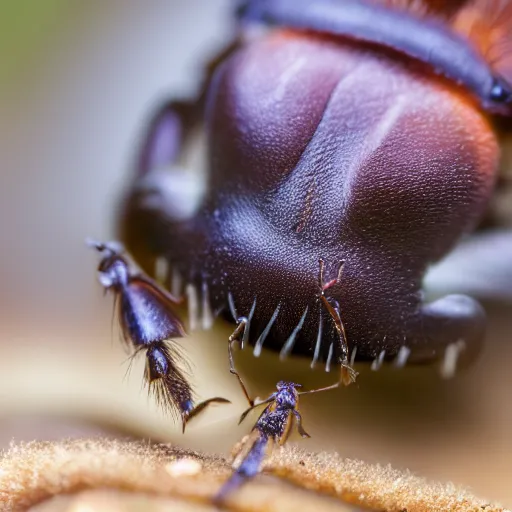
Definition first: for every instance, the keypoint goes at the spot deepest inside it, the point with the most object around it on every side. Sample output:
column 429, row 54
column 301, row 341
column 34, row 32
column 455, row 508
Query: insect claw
column 348, row 374
column 189, row 414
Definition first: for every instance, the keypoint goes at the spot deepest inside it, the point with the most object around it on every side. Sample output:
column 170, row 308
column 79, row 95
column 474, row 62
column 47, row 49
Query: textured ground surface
column 107, row 475
column 78, row 80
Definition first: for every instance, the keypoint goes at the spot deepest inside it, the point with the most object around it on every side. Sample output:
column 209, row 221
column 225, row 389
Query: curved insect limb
column 195, row 411
column 241, row 329
column 163, row 188
column 300, row 428
column 174, row 123
column 348, row 374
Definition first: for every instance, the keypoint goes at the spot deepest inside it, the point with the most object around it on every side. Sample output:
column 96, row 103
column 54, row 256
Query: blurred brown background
column 77, row 82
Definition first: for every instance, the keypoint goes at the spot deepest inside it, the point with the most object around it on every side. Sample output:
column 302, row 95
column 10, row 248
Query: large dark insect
column 149, row 323
column 341, row 130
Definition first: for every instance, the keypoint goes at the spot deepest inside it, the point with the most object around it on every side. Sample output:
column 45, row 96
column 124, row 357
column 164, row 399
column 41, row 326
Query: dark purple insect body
column 273, row 426
column 148, row 322
column 349, row 131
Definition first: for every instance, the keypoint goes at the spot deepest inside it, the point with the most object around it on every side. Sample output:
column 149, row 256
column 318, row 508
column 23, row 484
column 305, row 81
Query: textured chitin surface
column 323, row 149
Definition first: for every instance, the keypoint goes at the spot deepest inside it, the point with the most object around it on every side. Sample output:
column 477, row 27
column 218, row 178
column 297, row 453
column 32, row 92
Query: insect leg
column 174, row 123
column 192, row 413
column 348, row 374
column 167, row 382
column 234, row 338
column 161, row 188
column 300, row 428
column 148, row 321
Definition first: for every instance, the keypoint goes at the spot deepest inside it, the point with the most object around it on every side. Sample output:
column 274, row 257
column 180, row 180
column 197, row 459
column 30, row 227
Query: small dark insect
column 274, row 423
column 364, row 131
column 148, row 323
column 273, row 426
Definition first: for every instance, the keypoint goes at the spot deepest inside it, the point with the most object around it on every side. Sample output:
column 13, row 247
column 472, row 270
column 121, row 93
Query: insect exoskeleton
column 350, row 131
column 149, row 323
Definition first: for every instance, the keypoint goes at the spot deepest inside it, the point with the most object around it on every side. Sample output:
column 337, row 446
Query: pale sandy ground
column 72, row 103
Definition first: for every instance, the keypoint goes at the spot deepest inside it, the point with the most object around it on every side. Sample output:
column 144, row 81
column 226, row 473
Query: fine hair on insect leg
column 148, row 323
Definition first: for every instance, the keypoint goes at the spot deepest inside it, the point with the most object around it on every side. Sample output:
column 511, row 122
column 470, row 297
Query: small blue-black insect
column 148, row 322
column 273, row 426
column 282, row 406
